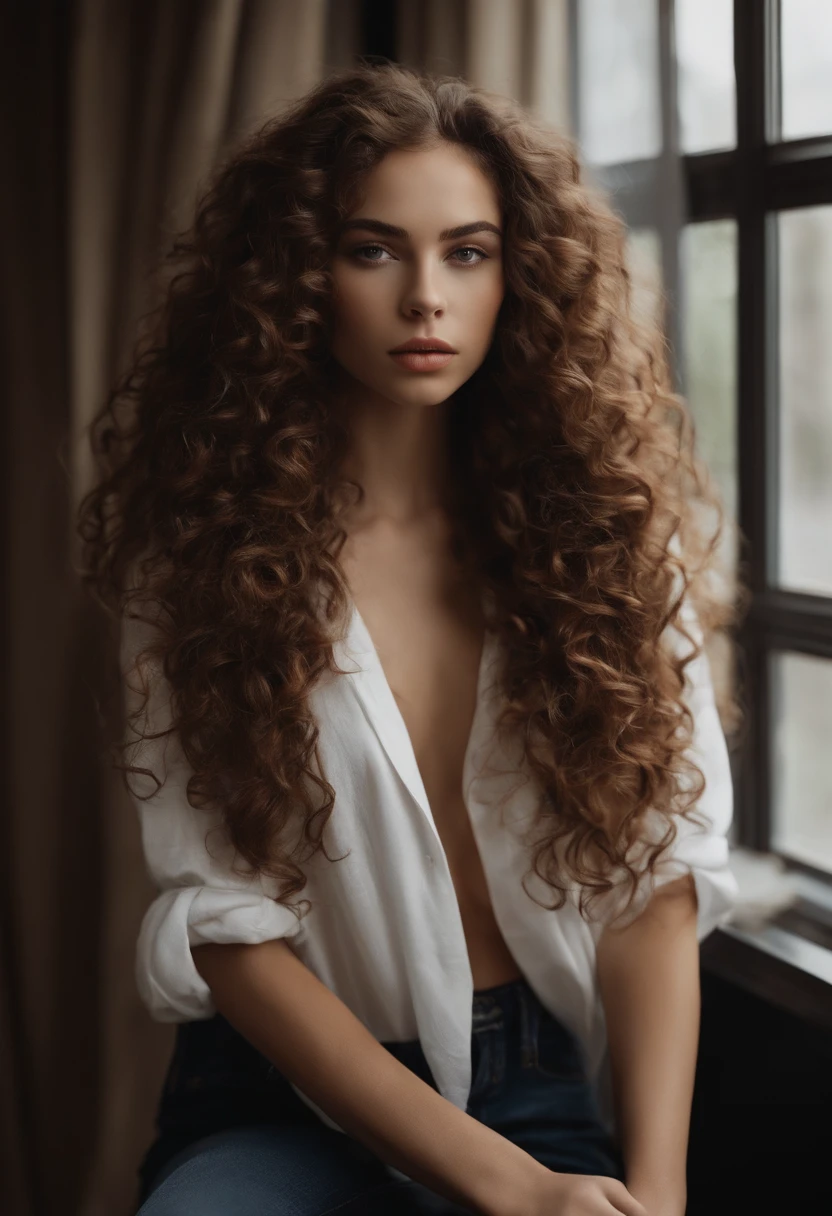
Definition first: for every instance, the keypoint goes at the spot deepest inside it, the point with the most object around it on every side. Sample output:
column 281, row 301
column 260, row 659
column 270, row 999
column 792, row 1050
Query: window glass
column 618, row 80
column 805, row 414
column 705, row 62
column 709, row 356
column 644, row 262
column 801, row 772
column 806, row 58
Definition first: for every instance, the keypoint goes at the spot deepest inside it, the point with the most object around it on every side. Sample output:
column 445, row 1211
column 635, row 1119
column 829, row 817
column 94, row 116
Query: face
column 400, row 272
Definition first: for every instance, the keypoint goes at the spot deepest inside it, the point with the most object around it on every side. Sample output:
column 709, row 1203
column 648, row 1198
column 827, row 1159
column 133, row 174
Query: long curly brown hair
column 579, row 501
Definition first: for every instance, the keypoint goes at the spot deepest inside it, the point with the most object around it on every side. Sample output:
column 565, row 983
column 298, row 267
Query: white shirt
column 384, row 932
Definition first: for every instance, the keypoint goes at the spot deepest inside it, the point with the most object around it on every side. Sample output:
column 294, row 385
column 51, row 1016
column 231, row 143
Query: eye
column 482, row 255
column 363, row 248
column 360, row 252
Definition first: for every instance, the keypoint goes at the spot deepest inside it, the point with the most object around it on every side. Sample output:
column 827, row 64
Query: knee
column 252, row 1170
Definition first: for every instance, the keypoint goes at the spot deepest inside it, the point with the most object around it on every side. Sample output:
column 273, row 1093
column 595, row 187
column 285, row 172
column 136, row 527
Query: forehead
column 438, row 186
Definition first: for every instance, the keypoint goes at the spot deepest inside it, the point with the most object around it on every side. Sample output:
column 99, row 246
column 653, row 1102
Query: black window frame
column 770, row 176
column 749, row 184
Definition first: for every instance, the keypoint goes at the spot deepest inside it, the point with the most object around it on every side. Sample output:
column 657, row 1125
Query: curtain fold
column 200, row 76
column 114, row 116
column 519, row 48
column 38, row 1009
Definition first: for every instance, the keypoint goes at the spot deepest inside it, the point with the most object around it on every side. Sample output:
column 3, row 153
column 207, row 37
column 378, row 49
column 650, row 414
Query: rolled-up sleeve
column 187, row 855
column 699, row 849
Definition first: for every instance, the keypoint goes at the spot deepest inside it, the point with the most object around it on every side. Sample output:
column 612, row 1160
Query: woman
column 465, row 710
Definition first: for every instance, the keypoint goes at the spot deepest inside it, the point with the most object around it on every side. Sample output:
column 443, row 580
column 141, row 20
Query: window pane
column 618, row 80
column 709, row 357
column 805, row 447
column 705, row 58
column 802, row 774
column 644, row 262
column 806, row 49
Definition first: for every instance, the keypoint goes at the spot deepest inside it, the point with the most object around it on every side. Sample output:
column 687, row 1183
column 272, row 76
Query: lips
column 423, row 360
column 414, row 345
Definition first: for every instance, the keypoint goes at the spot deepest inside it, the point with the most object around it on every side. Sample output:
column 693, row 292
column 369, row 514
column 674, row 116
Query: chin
column 427, row 397
column 431, row 389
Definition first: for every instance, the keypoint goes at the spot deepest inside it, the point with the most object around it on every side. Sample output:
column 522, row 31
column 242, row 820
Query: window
column 710, row 121
column 644, row 263
column 708, row 354
column 707, row 96
column 618, row 56
column 806, row 47
column 804, row 386
column 802, row 793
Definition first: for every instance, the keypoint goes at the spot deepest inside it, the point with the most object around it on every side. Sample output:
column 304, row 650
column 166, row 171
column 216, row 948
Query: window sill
column 777, row 964
column 778, row 945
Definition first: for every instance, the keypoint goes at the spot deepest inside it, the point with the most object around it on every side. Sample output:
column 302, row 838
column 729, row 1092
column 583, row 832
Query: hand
column 557, row 1194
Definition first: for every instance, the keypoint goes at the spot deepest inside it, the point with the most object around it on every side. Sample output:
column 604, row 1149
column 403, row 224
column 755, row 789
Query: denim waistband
column 502, row 994
column 508, row 987
column 508, row 1005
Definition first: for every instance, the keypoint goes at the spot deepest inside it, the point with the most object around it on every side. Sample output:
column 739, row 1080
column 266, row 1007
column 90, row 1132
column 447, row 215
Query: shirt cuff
column 169, row 984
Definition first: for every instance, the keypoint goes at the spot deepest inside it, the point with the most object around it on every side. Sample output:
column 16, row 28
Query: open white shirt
column 384, row 932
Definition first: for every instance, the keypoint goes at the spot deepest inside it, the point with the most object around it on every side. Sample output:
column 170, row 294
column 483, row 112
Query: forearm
column 268, row 994
column 648, row 976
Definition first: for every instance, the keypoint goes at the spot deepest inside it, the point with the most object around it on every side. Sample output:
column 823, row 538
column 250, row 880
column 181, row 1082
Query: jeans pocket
column 557, row 1053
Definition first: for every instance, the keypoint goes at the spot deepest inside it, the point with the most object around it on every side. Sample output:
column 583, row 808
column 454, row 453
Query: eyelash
column 372, row 245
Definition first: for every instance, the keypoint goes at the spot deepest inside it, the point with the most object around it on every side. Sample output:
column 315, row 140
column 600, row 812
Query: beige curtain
column 112, row 116
column 516, row 47
column 142, row 142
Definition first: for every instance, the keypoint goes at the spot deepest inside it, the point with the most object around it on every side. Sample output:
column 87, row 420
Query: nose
column 423, row 296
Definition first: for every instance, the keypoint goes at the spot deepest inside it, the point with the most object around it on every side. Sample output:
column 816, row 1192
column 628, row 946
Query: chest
column 427, row 627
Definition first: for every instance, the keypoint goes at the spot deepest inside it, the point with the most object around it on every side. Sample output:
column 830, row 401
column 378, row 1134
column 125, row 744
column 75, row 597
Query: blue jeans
column 236, row 1140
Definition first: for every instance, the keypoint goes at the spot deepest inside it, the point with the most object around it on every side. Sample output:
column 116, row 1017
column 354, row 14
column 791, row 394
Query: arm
column 648, row 975
column 648, row 972
column 212, row 933
column 267, row 993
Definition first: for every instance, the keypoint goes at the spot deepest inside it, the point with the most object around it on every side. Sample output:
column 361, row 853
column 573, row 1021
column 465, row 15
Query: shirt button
column 429, row 859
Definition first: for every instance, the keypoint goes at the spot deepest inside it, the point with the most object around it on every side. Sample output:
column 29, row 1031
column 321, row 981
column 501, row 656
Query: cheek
column 485, row 308
column 354, row 305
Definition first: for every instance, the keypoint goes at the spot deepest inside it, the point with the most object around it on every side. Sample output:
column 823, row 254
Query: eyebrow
column 447, row 234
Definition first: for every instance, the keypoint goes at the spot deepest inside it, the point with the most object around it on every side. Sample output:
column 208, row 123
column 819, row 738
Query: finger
column 620, row 1198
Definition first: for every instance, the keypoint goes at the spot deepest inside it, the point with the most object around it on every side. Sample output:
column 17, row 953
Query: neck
column 399, row 455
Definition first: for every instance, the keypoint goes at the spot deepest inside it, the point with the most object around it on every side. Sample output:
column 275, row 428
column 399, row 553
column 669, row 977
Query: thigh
column 533, row 1089
column 233, row 1137
column 558, row 1123
column 272, row 1170
column 264, row 1170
